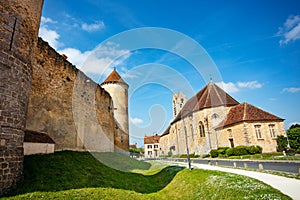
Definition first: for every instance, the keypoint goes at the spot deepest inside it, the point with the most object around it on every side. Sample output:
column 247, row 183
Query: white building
column 151, row 146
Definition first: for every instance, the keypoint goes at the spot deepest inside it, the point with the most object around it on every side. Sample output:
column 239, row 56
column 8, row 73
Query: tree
column 281, row 143
column 294, row 126
column 294, row 136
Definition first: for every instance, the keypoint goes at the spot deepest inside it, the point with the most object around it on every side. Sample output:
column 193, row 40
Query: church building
column 212, row 119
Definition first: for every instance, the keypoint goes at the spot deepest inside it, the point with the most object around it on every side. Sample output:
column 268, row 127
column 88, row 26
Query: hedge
column 236, row 151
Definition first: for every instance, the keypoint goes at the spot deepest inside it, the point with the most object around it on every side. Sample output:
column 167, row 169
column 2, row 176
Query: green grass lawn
column 79, row 175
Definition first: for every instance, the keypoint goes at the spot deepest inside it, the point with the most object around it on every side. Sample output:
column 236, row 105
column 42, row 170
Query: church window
column 258, row 131
column 214, row 116
column 201, row 129
column 272, row 130
column 181, row 100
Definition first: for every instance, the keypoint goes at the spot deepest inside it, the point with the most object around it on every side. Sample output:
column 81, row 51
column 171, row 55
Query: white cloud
column 235, row 87
column 291, row 90
column 228, row 87
column 290, row 31
column 250, row 84
column 50, row 36
column 136, row 121
column 104, row 57
column 93, row 27
column 75, row 56
column 45, row 20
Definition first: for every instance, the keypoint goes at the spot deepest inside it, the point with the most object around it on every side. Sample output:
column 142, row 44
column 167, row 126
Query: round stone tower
column 19, row 25
column 118, row 90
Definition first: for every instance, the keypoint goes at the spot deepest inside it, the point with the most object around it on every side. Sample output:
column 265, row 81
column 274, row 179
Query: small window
column 201, row 129
column 182, row 100
column 149, row 146
column 149, row 152
column 122, row 139
column 229, row 133
column 155, row 146
column 258, row 131
column 272, row 130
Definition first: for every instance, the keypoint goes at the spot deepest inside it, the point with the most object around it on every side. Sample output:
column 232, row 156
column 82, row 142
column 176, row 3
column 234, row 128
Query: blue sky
column 254, row 45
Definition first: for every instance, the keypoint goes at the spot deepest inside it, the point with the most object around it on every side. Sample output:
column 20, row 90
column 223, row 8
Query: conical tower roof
column 114, row 77
column 210, row 96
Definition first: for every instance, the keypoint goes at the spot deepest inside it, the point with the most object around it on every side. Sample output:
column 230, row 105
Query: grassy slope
column 78, row 175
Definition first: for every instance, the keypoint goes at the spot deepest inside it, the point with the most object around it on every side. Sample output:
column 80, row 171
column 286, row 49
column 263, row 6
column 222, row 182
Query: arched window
column 215, row 119
column 201, row 129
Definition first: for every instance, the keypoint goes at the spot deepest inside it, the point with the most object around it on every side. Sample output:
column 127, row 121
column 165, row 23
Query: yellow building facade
column 212, row 119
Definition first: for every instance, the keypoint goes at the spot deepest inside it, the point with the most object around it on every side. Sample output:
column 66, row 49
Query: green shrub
column 254, row 149
column 240, row 150
column 214, row 153
column 222, row 150
column 259, row 149
column 229, row 152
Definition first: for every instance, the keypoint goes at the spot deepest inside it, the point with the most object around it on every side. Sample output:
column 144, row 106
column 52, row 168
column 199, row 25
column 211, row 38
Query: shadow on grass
column 73, row 170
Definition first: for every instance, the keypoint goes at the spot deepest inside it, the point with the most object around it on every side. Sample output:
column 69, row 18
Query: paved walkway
column 288, row 186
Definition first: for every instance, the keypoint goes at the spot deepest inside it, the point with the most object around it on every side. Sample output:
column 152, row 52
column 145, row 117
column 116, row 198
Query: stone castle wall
column 64, row 103
column 43, row 92
column 19, row 24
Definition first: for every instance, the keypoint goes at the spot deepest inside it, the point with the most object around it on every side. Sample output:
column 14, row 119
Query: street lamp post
column 186, row 140
column 187, row 148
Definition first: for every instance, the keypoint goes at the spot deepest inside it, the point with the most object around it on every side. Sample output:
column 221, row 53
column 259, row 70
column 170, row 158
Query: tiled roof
column 166, row 132
column 114, row 77
column 36, row 137
column 210, row 96
column 246, row 112
column 151, row 139
column 133, row 146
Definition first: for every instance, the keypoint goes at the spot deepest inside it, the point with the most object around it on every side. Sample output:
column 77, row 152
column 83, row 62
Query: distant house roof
column 210, row 96
column 246, row 112
column 151, row 139
column 37, row 137
column 114, row 77
column 133, row 146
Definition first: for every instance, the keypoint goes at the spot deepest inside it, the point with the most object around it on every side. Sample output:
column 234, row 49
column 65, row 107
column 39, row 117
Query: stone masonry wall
column 19, row 24
column 64, row 103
